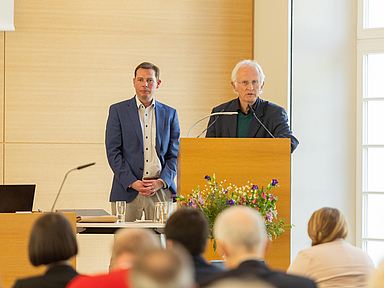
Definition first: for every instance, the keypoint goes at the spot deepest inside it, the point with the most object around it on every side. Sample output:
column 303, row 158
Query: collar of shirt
column 139, row 104
column 249, row 111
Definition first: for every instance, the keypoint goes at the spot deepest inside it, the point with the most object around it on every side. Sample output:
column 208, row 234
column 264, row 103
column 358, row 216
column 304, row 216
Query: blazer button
column 141, row 168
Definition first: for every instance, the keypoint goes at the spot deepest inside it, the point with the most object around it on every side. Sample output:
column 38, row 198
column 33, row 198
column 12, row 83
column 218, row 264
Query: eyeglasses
column 246, row 83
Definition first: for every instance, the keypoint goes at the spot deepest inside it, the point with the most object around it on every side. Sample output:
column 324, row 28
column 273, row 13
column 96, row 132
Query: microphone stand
column 65, row 177
column 212, row 114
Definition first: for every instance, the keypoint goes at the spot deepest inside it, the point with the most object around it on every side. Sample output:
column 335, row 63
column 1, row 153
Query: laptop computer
column 16, row 198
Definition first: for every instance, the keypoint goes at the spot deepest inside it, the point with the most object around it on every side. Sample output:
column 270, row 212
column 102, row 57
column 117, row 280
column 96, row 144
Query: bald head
column 163, row 268
column 241, row 228
column 133, row 242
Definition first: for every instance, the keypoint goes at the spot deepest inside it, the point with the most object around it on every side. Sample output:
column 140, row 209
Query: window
column 370, row 132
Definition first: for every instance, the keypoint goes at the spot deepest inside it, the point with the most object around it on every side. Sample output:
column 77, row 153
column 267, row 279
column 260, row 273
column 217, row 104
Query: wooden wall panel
column 46, row 164
column 2, row 33
column 67, row 62
column 272, row 48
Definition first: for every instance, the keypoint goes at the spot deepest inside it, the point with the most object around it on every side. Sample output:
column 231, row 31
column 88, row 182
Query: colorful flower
column 214, row 198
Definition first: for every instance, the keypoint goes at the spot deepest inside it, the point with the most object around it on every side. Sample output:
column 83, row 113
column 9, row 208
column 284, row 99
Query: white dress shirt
column 152, row 165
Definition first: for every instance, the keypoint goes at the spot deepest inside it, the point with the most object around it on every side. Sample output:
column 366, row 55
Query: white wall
column 324, row 92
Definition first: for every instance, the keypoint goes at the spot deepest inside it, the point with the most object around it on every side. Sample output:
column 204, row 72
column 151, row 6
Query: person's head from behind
column 163, row 268
column 240, row 231
column 129, row 243
column 327, row 224
column 190, row 228
column 52, row 240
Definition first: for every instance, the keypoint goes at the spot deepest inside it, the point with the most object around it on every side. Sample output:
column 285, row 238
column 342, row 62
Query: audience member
column 241, row 236
column 128, row 244
column 331, row 261
column 163, row 268
column 52, row 243
column 190, row 228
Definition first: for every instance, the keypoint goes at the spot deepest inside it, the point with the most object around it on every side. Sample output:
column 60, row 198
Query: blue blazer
column 271, row 115
column 124, row 147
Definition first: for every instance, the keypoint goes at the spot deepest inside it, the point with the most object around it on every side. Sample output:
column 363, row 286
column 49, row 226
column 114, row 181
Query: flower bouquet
column 215, row 198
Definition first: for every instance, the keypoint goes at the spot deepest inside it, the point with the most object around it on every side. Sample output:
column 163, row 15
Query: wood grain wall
column 68, row 61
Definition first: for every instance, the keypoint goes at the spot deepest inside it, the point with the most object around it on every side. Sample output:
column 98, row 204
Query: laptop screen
column 16, row 198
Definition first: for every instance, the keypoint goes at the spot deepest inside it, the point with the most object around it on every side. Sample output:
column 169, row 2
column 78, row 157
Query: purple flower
column 226, row 191
column 207, row 177
column 190, row 204
column 254, row 187
column 173, row 195
column 274, row 182
column 230, row 202
column 213, row 196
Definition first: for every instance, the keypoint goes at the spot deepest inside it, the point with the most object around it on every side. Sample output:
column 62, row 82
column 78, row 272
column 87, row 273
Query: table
column 111, row 228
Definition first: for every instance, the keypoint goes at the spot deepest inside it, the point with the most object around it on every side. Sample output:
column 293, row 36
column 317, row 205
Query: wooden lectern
column 15, row 231
column 239, row 160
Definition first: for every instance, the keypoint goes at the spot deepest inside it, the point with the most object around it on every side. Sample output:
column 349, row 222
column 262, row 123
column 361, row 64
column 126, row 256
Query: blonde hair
column 326, row 225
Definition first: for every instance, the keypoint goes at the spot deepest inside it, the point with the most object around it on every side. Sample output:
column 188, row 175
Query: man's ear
column 222, row 249
column 262, row 85
column 234, row 86
column 158, row 84
column 169, row 243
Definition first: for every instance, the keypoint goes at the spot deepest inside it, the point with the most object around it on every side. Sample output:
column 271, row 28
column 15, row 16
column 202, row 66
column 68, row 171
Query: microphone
column 65, row 177
column 254, row 114
column 212, row 114
column 210, row 125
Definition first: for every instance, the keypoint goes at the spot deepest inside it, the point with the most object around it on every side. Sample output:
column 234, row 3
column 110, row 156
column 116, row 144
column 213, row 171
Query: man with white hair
column 247, row 82
column 241, row 236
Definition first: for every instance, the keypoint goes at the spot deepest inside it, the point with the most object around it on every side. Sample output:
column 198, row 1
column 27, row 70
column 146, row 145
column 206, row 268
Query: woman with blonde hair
column 331, row 261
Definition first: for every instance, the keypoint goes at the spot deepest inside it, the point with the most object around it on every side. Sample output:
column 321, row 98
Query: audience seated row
column 138, row 260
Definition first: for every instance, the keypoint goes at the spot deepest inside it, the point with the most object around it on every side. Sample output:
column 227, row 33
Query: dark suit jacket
column 271, row 115
column 203, row 270
column 124, row 145
column 257, row 270
column 56, row 277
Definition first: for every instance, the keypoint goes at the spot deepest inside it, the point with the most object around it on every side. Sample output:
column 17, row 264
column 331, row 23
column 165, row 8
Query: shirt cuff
column 164, row 184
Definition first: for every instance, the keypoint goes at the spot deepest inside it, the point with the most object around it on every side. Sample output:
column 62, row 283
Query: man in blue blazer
column 247, row 82
column 142, row 140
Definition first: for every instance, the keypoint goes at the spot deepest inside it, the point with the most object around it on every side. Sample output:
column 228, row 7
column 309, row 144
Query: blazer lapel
column 160, row 116
column 232, row 122
column 133, row 114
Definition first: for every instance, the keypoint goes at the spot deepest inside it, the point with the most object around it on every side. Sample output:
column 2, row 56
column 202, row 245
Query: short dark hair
column 148, row 65
column 52, row 239
column 190, row 228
